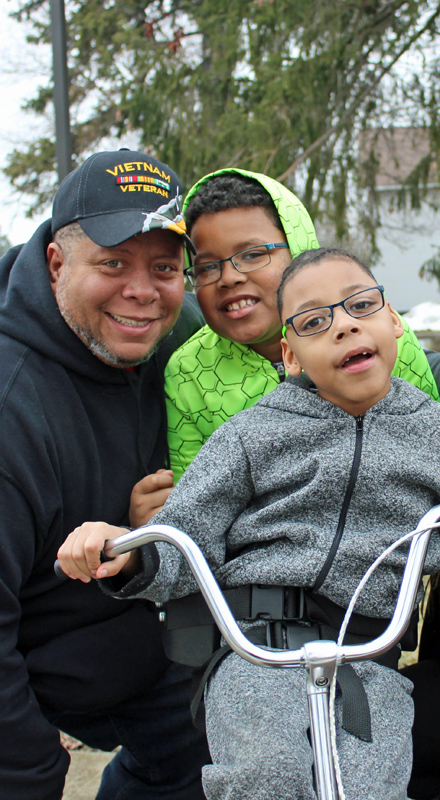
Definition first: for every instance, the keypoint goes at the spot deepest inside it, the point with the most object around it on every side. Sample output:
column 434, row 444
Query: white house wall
column 406, row 240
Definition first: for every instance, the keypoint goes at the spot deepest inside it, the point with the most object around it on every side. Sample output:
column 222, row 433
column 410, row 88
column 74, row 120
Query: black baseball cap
column 115, row 195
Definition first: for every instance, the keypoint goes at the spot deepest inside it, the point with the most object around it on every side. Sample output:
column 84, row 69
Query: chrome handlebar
column 302, row 657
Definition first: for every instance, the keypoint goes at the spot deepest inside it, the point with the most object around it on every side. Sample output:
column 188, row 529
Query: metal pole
column 61, row 89
column 321, row 657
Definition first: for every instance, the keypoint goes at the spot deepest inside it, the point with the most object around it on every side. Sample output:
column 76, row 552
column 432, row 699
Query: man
column 89, row 314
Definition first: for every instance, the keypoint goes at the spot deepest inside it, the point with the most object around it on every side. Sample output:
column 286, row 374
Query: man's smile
column 132, row 323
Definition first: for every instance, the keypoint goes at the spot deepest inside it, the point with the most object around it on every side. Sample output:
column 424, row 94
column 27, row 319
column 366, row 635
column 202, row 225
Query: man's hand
column 80, row 555
column 149, row 495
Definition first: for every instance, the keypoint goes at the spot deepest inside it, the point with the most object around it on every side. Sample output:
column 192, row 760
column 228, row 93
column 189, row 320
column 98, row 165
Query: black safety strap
column 293, row 616
column 356, row 717
column 248, row 602
column 192, row 609
column 197, row 708
column 253, row 602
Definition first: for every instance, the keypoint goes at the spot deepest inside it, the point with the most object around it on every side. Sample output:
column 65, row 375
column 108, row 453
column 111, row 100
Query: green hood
column 411, row 363
column 298, row 226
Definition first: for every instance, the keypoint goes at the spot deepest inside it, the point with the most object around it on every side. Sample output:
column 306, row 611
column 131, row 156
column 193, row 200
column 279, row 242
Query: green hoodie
column 210, row 378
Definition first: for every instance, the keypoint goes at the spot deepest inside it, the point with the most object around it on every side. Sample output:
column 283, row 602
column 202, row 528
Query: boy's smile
column 351, row 361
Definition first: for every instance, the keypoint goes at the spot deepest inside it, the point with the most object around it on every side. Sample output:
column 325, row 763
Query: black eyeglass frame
column 219, row 262
column 289, row 320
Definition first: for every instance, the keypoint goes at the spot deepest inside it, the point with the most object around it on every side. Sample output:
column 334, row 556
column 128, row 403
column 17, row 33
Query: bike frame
column 320, row 658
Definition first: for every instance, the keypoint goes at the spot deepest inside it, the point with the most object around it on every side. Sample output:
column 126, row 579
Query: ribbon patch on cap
column 143, row 179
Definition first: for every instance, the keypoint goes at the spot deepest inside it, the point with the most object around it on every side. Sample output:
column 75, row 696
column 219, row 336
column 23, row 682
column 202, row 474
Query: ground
column 86, row 766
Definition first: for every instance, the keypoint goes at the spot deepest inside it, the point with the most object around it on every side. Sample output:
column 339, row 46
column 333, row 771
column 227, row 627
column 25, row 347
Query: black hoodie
column 75, row 436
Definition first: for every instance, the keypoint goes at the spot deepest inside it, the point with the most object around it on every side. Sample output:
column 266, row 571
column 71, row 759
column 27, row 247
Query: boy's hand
column 80, row 555
column 149, row 495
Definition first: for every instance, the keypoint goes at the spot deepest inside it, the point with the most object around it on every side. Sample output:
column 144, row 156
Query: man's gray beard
column 99, row 349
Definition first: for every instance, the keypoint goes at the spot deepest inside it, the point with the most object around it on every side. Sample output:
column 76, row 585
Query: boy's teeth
column 240, row 304
column 359, row 354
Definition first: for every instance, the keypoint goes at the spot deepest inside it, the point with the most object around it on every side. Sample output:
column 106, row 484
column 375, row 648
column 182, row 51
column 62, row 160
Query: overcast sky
column 22, row 67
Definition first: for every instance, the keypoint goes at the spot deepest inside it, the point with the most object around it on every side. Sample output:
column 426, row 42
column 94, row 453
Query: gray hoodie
column 265, row 495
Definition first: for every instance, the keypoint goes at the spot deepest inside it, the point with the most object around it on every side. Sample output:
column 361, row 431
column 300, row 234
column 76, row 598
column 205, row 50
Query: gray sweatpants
column 257, row 725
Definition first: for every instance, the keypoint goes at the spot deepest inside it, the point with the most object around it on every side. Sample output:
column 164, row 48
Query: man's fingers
column 157, row 499
column 149, row 495
column 144, row 507
column 150, row 483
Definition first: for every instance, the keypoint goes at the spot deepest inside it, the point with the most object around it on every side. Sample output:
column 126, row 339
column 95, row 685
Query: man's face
column 350, row 362
column 121, row 301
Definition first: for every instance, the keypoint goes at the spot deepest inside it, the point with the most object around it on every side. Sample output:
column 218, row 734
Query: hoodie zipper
column 345, row 506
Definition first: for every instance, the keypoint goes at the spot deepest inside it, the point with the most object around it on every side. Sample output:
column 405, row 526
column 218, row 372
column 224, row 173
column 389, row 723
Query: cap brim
column 109, row 230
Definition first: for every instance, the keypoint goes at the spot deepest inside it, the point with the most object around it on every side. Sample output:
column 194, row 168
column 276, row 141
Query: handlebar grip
column 59, row 572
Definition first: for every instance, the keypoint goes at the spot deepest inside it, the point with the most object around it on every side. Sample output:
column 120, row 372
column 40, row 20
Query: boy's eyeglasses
column 317, row 320
column 248, row 260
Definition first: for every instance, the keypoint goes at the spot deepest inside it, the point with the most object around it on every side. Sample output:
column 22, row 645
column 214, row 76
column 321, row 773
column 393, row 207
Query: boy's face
column 351, row 362
column 242, row 306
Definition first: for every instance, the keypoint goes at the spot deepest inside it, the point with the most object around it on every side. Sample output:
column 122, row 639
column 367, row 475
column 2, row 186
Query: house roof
column 398, row 152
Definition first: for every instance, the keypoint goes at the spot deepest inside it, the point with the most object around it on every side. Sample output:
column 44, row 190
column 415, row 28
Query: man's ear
column 55, row 264
column 397, row 322
column 291, row 363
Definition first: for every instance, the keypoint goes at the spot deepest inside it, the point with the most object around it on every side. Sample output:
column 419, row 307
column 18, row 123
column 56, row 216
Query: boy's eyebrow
column 357, row 287
column 237, row 248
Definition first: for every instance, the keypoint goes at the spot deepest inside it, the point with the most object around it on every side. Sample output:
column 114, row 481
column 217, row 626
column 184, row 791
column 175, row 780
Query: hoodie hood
column 295, row 219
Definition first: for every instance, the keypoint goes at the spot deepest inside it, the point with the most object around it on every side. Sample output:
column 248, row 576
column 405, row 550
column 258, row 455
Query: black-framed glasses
column 317, row 320
column 248, row 260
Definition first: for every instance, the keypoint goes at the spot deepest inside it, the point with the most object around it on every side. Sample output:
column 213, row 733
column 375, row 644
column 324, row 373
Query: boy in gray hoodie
column 303, row 490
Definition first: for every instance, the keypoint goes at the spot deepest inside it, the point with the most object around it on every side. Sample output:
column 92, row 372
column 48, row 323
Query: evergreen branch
column 348, row 114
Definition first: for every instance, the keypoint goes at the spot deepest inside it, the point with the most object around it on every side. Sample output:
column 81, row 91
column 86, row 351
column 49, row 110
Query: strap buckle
column 278, row 603
column 267, row 602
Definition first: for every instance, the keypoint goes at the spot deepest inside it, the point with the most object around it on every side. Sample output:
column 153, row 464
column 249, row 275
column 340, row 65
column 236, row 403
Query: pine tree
column 278, row 86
